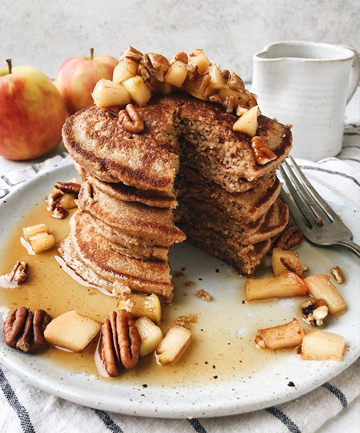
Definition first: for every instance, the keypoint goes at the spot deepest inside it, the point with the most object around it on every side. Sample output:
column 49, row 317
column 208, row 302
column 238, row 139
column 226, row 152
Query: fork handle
column 352, row 246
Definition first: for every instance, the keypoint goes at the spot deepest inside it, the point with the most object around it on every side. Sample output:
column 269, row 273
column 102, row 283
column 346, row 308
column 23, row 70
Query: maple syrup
column 222, row 347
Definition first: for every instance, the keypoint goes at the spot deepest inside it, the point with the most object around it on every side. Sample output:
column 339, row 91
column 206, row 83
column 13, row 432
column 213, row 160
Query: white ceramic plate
column 226, row 326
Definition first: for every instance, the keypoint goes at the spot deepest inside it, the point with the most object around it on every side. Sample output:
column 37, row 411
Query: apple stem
column 92, row 53
column 8, row 61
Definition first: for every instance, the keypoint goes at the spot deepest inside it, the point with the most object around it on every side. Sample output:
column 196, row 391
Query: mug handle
column 355, row 75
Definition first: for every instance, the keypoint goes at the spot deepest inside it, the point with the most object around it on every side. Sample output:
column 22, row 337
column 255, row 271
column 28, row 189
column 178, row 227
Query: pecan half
column 131, row 120
column 24, row 330
column 263, row 154
column 18, row 273
column 289, row 239
column 68, row 187
column 120, row 342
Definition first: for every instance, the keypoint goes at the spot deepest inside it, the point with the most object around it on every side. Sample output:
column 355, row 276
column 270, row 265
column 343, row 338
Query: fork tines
column 309, row 202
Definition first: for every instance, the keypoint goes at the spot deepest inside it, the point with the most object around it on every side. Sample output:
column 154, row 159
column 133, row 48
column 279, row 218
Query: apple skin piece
column 76, row 78
column 32, row 114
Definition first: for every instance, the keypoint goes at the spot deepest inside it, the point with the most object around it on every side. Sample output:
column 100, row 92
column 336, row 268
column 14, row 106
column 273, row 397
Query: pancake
column 205, row 217
column 130, row 245
column 243, row 259
column 124, row 192
column 96, row 140
column 247, row 206
column 100, row 256
column 135, row 219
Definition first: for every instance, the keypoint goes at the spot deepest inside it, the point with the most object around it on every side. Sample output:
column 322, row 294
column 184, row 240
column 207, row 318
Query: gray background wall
column 43, row 33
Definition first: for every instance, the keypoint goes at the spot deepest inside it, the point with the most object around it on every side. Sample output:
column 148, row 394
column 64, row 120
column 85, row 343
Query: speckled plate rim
column 207, row 400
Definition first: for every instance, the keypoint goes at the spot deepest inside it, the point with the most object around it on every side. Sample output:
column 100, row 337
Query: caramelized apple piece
column 198, row 58
column 34, row 230
column 284, row 286
column 278, row 337
column 142, row 305
column 124, row 70
column 72, row 331
column 322, row 346
column 176, row 74
column 42, row 242
column 173, row 345
column 108, row 94
column 320, row 287
column 150, row 335
column 248, row 122
column 139, row 91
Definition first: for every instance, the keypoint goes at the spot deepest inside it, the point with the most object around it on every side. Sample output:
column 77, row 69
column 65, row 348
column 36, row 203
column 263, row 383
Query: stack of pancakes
column 187, row 165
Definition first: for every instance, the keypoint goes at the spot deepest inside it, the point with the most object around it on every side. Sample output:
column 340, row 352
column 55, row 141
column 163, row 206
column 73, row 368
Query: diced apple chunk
column 322, row 346
column 285, row 285
column 42, row 242
column 72, row 331
column 284, row 261
column 176, row 74
column 320, row 287
column 248, row 122
column 198, row 58
column 124, row 70
column 217, row 79
column 139, row 91
column 142, row 305
column 34, row 230
column 173, row 345
column 150, row 335
column 107, row 94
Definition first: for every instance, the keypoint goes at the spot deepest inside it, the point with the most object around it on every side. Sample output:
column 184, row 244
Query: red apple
column 77, row 76
column 32, row 113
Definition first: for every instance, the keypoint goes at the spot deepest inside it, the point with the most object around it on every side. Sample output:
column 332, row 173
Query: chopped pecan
column 315, row 312
column 204, row 295
column 182, row 57
column 24, row 330
column 230, row 103
column 293, row 266
column 290, row 238
column 236, row 83
column 120, row 342
column 59, row 212
column 226, row 74
column 153, row 65
column 53, row 200
column 131, row 53
column 185, row 321
column 193, row 72
column 337, row 274
column 215, row 98
column 18, row 273
column 263, row 154
column 131, row 120
column 68, row 187
column 252, row 100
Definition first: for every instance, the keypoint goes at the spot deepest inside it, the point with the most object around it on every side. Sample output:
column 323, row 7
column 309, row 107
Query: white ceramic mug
column 307, row 85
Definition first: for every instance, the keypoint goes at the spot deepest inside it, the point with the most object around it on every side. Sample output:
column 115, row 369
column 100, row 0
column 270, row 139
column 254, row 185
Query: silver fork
column 318, row 222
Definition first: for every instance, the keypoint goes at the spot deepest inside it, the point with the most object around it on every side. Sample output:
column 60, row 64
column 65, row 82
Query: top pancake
column 150, row 161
